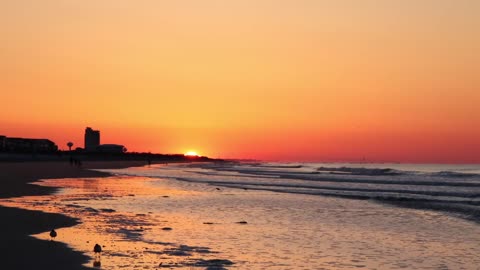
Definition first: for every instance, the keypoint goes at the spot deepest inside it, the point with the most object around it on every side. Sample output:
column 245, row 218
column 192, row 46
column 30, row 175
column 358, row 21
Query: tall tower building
column 92, row 139
column 3, row 142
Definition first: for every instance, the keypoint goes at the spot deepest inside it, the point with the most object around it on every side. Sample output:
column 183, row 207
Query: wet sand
column 18, row 250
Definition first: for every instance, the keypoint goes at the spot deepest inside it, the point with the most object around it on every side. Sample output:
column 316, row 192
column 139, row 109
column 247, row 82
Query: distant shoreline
column 96, row 156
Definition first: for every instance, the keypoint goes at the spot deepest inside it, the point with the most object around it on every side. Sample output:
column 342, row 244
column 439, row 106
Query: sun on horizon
column 191, row 154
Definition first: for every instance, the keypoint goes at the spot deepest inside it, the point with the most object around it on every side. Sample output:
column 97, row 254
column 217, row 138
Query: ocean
column 257, row 215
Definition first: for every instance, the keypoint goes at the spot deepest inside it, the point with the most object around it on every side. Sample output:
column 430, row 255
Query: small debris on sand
column 242, row 222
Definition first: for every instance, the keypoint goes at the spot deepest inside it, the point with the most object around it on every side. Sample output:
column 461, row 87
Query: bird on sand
column 97, row 248
column 53, row 234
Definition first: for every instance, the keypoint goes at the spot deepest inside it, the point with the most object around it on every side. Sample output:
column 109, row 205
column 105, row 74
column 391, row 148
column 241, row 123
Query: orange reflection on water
column 92, row 200
column 112, row 186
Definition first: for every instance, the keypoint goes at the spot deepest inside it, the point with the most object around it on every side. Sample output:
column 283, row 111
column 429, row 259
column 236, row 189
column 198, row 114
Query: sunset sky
column 290, row 80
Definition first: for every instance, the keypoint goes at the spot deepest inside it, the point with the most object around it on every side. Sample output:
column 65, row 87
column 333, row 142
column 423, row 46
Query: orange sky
column 305, row 80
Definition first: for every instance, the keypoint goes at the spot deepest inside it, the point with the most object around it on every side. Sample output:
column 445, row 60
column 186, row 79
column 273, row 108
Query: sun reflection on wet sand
column 144, row 223
column 119, row 233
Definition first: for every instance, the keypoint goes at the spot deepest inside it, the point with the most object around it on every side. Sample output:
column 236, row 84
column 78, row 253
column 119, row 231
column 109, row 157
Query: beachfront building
column 92, row 139
column 92, row 144
column 111, row 148
column 25, row 145
column 2, row 143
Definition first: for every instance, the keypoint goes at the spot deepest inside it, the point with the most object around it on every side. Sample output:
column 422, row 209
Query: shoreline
column 18, row 249
column 194, row 234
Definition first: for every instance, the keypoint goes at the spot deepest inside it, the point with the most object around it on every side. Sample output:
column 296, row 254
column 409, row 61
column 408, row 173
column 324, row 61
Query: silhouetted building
column 111, row 148
column 92, row 144
column 92, row 139
column 23, row 145
column 2, row 143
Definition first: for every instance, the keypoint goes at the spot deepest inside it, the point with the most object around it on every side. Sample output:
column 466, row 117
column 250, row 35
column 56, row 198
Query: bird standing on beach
column 97, row 249
column 53, row 234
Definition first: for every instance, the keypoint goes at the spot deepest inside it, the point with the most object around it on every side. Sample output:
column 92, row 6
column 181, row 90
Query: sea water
column 273, row 216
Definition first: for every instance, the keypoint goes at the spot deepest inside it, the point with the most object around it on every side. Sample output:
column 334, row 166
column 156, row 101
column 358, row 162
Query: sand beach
column 19, row 250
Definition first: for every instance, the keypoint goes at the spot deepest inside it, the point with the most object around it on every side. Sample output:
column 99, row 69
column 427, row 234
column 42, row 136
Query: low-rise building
column 26, row 145
column 111, row 148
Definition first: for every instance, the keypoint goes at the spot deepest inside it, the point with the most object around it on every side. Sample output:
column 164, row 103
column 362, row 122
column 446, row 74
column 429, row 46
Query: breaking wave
column 451, row 188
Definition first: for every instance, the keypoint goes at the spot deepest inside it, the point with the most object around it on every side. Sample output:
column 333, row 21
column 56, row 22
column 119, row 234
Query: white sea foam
column 454, row 187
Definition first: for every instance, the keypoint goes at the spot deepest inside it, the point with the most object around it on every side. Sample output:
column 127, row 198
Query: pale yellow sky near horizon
column 304, row 79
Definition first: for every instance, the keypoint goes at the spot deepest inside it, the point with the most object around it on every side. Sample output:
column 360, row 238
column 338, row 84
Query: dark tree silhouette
column 69, row 144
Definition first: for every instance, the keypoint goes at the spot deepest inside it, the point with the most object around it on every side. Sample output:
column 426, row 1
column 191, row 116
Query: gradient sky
column 304, row 80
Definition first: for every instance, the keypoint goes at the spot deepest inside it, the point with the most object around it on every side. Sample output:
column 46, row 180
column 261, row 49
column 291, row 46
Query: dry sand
column 17, row 249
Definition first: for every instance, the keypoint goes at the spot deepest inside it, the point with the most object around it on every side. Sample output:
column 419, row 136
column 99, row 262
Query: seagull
column 97, row 248
column 53, row 234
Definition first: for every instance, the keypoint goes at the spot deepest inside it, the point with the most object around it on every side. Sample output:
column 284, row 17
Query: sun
column 191, row 154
